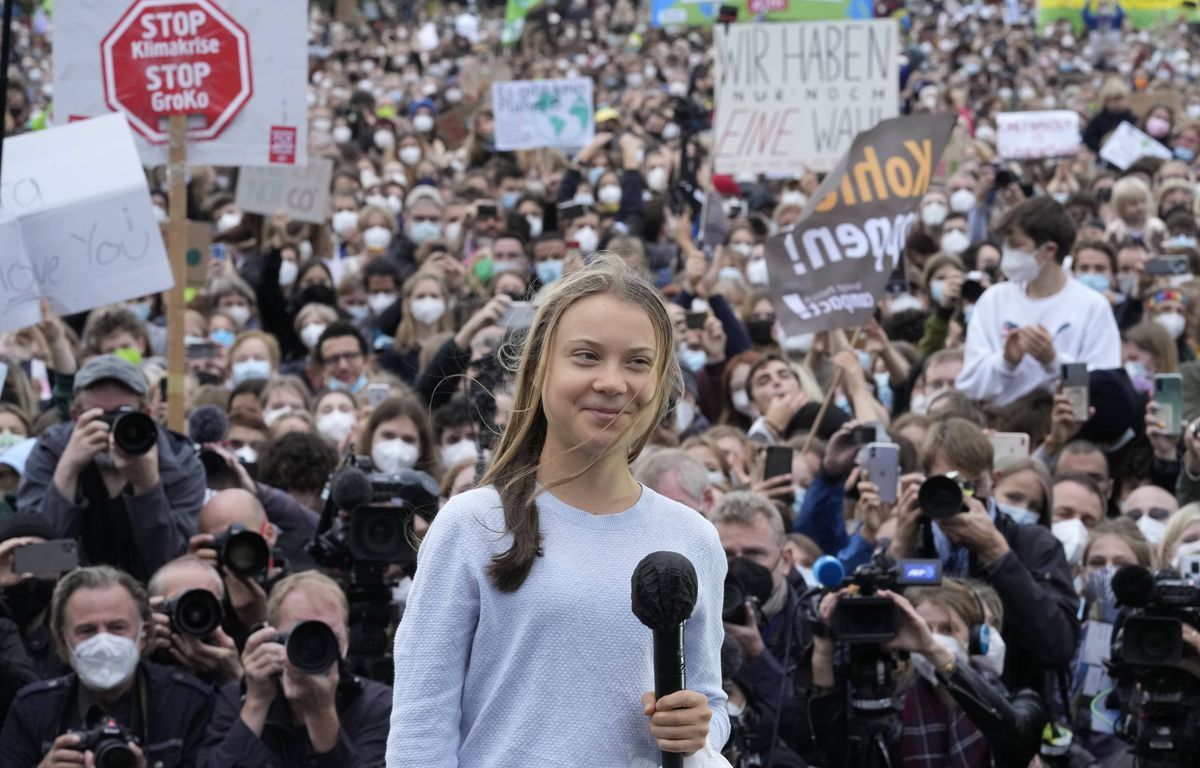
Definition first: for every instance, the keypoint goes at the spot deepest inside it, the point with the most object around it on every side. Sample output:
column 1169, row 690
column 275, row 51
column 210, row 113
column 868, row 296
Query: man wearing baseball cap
column 127, row 488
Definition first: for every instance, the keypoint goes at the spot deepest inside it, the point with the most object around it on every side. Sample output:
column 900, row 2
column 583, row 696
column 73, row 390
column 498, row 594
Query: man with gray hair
column 129, row 490
column 771, row 626
column 676, row 475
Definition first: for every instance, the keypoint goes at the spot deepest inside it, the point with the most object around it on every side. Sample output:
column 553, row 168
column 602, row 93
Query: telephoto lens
column 244, row 552
column 940, row 497
column 133, row 431
column 196, row 612
column 312, row 647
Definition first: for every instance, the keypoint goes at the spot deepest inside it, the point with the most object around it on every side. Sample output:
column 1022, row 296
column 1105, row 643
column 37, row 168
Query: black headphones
column 978, row 634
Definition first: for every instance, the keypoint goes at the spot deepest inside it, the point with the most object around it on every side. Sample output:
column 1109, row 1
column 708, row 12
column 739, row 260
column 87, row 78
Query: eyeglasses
column 348, row 357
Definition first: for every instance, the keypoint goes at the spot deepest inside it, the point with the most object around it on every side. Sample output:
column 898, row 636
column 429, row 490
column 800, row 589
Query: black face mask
column 760, row 331
column 318, row 293
column 27, row 599
column 756, row 580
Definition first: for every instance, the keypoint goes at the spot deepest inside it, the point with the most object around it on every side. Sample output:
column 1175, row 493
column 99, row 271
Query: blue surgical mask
column 1185, row 154
column 1181, row 241
column 1019, row 515
column 865, row 360
column 729, row 273
column 937, row 291
column 692, row 359
column 1095, row 281
column 420, row 231
column 549, row 270
column 251, row 369
column 799, row 492
column 354, row 388
column 967, row 312
column 223, row 337
column 883, row 390
column 509, row 200
column 593, row 176
column 1139, row 375
column 841, row 402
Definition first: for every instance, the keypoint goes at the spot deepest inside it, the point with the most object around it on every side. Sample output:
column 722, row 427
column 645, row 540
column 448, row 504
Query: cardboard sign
column 238, row 68
column 199, row 241
column 1036, row 135
column 829, row 271
column 792, row 97
column 1141, row 103
column 76, row 222
column 534, row 114
column 1127, row 143
column 300, row 192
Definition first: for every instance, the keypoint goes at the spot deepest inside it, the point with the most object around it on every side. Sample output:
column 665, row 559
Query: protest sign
column 204, row 58
column 1143, row 102
column 199, row 242
column 1035, row 135
column 515, row 12
column 1141, row 14
column 1127, row 143
column 532, row 114
column 831, row 268
column 792, row 97
column 704, row 14
column 76, row 222
column 300, row 192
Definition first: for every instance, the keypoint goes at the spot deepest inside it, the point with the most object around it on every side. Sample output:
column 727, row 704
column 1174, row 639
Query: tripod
column 873, row 726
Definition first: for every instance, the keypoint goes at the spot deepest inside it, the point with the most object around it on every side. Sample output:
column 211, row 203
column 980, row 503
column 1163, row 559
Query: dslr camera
column 868, row 618
column 243, row 551
column 134, row 432
column 311, row 646
column 943, row 496
column 108, row 741
column 196, row 613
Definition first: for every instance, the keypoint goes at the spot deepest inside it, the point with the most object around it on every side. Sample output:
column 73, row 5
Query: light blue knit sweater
column 553, row 674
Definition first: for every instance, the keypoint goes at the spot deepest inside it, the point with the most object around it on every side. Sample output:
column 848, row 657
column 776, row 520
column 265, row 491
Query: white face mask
column 1185, row 554
column 1173, row 322
column 461, row 451
column 1154, row 530
column 535, row 225
column 962, row 200
column 341, row 134
column 311, row 333
column 955, row 241
column 685, row 414
column 394, row 204
column 741, row 404
column 609, row 194
column 1019, row 266
column 335, row 425
column 344, row 223
column 273, row 415
column 378, row 302
column 228, row 220
column 924, row 666
column 422, row 123
column 756, row 272
column 656, row 179
column 288, row 272
column 384, row 140
column 306, row 250
column 410, row 155
column 391, row 456
column 933, row 214
column 428, row 310
column 240, row 314
column 245, row 370
column 1073, row 535
column 105, row 661
column 377, row 238
column 992, row 662
column 246, row 454
column 587, row 238
column 742, row 248
column 357, row 312
column 160, row 214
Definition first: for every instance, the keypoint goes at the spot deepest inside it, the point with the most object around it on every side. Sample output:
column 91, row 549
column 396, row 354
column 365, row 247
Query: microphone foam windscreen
column 350, row 489
column 664, row 590
column 207, row 424
column 1133, row 585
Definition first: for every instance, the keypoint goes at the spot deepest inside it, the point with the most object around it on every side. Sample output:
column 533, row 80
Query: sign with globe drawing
column 532, row 114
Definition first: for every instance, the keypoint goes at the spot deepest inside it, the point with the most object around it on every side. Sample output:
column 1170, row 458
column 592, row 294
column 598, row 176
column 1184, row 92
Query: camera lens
column 312, row 647
column 380, row 534
column 245, row 553
column 196, row 612
column 134, row 432
column 940, row 497
column 733, row 606
column 113, row 753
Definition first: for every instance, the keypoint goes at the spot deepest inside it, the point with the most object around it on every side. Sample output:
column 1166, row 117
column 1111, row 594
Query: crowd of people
column 386, row 336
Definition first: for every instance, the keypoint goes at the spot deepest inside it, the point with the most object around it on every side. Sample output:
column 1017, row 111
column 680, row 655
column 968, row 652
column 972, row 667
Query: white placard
column 1035, row 135
column 300, row 192
column 278, row 106
column 1128, row 143
column 76, row 222
column 792, row 96
column 532, row 114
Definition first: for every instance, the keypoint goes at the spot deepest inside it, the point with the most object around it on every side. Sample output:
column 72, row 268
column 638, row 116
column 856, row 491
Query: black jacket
column 169, row 721
column 364, row 709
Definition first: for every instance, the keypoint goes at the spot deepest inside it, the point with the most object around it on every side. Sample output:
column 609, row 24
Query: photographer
column 210, row 655
column 770, row 625
column 130, row 505
column 1025, row 564
column 26, row 598
column 282, row 715
column 949, row 709
column 100, row 620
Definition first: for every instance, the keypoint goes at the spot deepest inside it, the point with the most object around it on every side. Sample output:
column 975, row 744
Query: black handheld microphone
column 664, row 594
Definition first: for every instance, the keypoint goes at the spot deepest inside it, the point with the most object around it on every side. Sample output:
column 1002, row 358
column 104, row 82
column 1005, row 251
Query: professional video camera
column 865, row 621
column 1159, row 701
column 108, row 741
column 366, row 527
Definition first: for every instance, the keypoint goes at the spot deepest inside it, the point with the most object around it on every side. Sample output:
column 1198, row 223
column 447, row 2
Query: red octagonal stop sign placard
column 168, row 57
